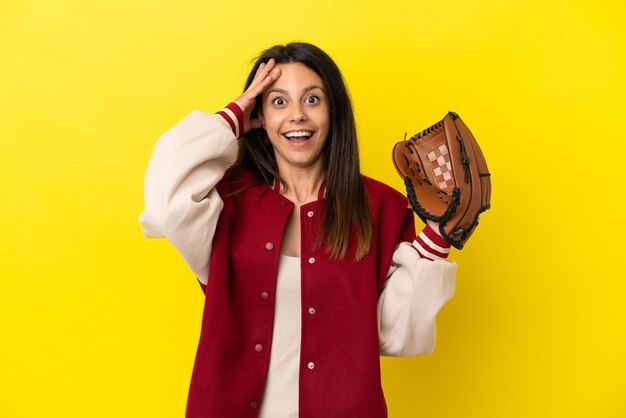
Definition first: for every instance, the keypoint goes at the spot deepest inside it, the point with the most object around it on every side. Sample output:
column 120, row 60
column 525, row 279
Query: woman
column 315, row 270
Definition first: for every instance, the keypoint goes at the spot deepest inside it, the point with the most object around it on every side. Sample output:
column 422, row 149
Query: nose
column 298, row 113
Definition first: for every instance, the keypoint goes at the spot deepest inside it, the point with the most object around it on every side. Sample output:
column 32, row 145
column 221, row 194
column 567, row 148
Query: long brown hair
column 346, row 203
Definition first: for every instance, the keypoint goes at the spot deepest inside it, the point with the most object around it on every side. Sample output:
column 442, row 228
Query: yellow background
column 97, row 321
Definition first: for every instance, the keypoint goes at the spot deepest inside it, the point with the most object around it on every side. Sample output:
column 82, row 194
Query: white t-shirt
column 281, row 390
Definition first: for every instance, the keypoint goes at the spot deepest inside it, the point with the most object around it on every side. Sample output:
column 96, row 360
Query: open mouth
column 298, row 136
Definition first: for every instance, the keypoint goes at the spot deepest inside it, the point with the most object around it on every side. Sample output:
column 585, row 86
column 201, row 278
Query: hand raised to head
column 265, row 75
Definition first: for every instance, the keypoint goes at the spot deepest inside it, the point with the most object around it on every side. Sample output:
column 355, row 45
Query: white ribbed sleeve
column 414, row 292
column 181, row 203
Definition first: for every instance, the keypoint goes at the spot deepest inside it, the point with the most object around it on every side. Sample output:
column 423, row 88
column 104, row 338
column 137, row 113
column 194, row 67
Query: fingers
column 264, row 69
column 265, row 75
column 265, row 82
column 261, row 72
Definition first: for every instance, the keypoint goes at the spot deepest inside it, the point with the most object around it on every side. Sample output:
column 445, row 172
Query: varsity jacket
column 351, row 311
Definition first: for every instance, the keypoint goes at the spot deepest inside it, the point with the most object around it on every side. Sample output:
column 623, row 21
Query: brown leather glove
column 446, row 177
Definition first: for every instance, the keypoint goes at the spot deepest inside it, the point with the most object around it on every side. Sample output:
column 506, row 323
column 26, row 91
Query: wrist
column 233, row 114
column 434, row 226
column 430, row 244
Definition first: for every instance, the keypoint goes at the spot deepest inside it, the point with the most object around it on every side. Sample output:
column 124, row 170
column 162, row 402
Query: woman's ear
column 261, row 118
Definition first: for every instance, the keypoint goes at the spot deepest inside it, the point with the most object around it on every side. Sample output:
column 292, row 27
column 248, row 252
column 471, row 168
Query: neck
column 302, row 184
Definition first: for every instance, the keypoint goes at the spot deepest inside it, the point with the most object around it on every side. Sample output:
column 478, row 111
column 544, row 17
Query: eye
column 312, row 99
column 278, row 101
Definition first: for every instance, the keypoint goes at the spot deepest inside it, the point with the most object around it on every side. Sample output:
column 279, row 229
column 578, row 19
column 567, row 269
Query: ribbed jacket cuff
column 430, row 245
column 233, row 114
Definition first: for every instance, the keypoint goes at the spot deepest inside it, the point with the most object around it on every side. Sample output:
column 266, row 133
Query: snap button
column 254, row 405
column 311, row 260
column 269, row 246
column 265, row 296
column 311, row 311
column 311, row 365
column 310, row 214
column 258, row 348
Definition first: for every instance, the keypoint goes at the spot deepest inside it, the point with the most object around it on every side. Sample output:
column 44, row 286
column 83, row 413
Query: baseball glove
column 446, row 177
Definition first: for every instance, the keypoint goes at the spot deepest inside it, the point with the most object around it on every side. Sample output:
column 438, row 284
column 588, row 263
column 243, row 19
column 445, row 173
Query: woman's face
column 295, row 114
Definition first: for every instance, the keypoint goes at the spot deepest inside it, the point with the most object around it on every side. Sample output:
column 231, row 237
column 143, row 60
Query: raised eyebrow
column 304, row 90
column 275, row 90
column 313, row 87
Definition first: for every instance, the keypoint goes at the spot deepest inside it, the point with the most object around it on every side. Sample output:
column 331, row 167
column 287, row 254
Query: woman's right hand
column 265, row 75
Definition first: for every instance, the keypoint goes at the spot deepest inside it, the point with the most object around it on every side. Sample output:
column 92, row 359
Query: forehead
column 295, row 77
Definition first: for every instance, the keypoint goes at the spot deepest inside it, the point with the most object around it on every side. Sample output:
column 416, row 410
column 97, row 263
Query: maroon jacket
column 340, row 366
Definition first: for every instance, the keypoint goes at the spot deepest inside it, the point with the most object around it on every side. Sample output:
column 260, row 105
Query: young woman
column 310, row 270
